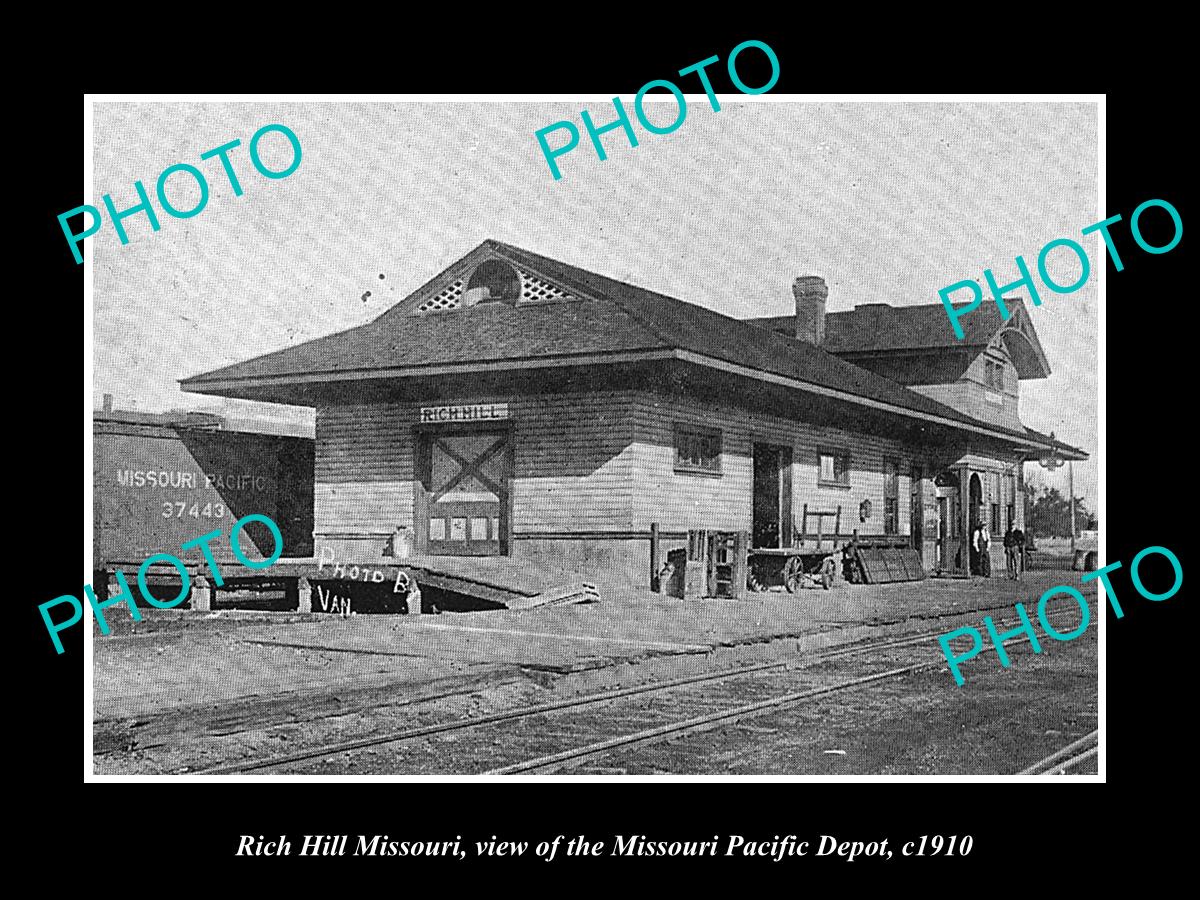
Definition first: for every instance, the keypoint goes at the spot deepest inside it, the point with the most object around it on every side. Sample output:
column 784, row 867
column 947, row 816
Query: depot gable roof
column 573, row 315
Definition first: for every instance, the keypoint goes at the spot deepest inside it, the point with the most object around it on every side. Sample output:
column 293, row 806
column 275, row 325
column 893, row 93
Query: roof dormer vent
column 496, row 281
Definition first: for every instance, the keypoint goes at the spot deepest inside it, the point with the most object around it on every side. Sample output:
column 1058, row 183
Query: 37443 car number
column 196, row 511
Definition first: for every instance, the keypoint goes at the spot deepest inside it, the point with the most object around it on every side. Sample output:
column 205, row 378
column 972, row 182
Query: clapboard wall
column 973, row 395
column 592, row 471
column 682, row 500
column 587, row 463
column 572, row 466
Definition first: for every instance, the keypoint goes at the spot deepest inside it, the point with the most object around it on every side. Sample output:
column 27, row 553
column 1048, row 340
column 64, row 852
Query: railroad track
column 1061, row 762
column 551, row 762
column 699, row 723
column 590, row 702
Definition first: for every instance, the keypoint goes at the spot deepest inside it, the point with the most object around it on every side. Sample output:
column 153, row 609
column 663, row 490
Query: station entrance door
column 463, row 483
column 772, row 519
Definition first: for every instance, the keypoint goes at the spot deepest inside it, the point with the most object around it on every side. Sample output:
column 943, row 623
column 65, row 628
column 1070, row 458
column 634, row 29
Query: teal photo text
column 568, row 140
column 1062, row 594
column 1064, row 247
column 184, row 173
column 125, row 595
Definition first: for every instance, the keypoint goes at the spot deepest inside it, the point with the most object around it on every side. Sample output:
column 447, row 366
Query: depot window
column 994, row 372
column 697, row 450
column 834, row 468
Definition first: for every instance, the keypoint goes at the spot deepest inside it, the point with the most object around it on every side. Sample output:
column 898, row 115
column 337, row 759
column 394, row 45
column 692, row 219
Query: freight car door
column 465, row 479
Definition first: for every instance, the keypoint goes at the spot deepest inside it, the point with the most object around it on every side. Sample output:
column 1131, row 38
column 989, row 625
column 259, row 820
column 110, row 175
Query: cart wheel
column 793, row 574
column 827, row 572
column 752, row 582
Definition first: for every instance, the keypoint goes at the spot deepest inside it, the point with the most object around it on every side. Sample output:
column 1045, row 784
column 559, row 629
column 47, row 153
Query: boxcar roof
column 175, row 421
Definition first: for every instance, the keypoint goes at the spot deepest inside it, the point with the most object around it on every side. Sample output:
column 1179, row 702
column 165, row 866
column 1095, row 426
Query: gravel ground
column 181, row 690
column 998, row 723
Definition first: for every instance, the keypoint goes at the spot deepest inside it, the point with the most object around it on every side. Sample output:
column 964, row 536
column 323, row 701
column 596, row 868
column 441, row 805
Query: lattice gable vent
column 447, row 298
column 533, row 290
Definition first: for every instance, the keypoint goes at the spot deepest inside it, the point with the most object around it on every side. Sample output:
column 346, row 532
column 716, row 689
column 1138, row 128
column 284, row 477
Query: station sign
column 480, row 412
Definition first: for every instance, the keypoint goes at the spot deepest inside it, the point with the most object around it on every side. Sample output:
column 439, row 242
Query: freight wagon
column 160, row 480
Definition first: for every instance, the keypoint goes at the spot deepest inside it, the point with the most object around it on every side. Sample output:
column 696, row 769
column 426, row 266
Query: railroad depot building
column 517, row 405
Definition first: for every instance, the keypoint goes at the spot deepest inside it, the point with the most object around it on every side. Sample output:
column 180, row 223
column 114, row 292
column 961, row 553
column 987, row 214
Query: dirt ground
column 215, row 681
column 180, row 657
column 999, row 722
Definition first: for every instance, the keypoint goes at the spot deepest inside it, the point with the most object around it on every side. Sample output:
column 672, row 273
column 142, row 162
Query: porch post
column 964, row 515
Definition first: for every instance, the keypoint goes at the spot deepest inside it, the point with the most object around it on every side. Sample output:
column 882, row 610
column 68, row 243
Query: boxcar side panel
column 157, row 487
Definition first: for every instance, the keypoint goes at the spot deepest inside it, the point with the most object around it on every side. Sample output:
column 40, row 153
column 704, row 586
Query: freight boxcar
column 161, row 480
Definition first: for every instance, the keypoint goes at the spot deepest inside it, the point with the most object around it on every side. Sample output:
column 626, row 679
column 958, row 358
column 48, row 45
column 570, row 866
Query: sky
column 887, row 201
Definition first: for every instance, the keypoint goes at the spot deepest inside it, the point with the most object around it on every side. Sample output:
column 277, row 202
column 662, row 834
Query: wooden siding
column 970, row 394
column 601, row 464
column 683, row 500
column 572, row 464
column 376, row 507
column 363, row 470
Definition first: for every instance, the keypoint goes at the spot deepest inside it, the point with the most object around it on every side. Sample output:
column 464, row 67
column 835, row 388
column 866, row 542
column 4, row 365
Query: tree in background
column 1050, row 513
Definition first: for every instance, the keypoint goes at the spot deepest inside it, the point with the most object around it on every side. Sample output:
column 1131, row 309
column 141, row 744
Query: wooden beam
column 741, row 545
column 655, row 558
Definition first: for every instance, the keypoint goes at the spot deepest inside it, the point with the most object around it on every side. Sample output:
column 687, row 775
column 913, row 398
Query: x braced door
column 466, row 491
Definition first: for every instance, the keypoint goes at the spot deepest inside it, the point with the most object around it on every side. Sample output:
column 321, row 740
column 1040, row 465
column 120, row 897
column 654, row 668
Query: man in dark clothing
column 1022, row 559
column 1010, row 552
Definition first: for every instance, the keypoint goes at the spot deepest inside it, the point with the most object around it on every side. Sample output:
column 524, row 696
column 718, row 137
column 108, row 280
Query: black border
column 192, row 835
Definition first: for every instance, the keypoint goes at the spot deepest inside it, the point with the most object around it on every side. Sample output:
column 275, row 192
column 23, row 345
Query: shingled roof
column 881, row 328
column 612, row 317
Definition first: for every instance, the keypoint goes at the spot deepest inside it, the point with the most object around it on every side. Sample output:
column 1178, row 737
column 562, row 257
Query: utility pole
column 1052, row 461
column 1071, row 489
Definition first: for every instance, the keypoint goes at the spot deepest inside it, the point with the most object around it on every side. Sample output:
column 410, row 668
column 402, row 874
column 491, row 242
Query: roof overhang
column 1025, row 351
column 1021, row 443
column 351, row 385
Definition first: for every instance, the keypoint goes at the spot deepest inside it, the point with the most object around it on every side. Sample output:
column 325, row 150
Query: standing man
column 1010, row 552
column 985, row 557
column 1022, row 560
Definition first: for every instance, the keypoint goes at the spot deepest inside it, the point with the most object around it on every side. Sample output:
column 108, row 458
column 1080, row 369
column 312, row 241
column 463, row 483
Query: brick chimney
column 108, row 400
column 810, row 292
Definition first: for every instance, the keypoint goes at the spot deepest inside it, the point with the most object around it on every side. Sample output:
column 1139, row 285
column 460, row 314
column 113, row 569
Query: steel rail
column 697, row 723
column 702, row 723
column 522, row 712
column 1044, row 766
column 507, row 715
column 596, row 699
column 1061, row 768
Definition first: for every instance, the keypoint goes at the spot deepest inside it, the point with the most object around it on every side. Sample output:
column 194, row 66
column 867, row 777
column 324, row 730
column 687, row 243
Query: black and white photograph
column 527, row 437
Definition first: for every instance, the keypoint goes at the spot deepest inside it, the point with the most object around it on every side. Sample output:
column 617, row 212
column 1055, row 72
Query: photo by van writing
column 126, row 595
